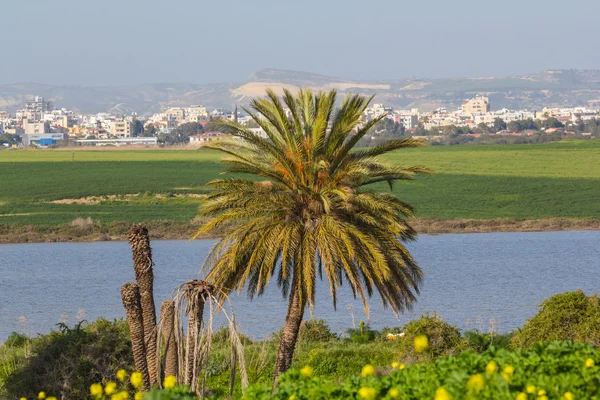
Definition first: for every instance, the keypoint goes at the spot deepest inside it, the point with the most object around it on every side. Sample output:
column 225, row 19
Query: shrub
column 66, row 362
column 480, row 341
column 344, row 358
column 571, row 315
column 545, row 371
column 16, row 339
column 444, row 339
column 315, row 330
column 363, row 334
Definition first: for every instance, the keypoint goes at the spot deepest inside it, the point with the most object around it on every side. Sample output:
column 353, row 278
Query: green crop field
column 560, row 179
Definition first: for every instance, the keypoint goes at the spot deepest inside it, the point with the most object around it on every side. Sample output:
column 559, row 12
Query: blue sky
column 119, row 42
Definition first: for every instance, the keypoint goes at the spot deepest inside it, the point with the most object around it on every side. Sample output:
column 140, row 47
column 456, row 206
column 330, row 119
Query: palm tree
column 130, row 294
column 310, row 206
column 139, row 241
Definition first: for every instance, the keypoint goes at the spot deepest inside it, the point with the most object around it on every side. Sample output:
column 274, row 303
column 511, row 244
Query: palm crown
column 308, row 206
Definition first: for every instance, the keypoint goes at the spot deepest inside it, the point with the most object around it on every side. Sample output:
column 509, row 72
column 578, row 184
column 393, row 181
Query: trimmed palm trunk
column 291, row 328
column 167, row 312
column 130, row 295
column 144, row 275
column 196, row 312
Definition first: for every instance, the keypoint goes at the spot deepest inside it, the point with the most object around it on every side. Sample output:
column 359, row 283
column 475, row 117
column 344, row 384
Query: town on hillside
column 41, row 124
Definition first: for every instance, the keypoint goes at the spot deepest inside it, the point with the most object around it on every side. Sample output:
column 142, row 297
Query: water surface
column 471, row 280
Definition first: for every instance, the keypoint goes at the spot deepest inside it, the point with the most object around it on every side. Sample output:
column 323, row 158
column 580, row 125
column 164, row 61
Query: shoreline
column 172, row 230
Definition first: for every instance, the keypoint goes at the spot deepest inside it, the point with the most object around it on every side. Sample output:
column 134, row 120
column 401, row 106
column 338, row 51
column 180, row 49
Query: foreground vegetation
column 519, row 182
column 559, row 370
column 68, row 361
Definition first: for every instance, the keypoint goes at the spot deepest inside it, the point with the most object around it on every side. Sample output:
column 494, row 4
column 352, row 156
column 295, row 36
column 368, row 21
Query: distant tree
column 552, row 123
column 388, row 128
column 47, row 127
column 138, row 128
column 499, row 125
column 150, row 131
column 9, row 138
column 482, row 128
column 182, row 133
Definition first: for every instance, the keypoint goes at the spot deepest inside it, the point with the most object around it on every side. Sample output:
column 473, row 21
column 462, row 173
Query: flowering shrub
column 559, row 370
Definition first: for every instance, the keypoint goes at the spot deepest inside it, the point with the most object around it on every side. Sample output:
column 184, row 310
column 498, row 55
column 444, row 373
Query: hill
column 532, row 91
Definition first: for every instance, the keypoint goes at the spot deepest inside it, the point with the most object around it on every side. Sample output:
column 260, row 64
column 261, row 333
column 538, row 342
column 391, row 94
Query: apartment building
column 176, row 114
column 121, row 129
column 476, row 106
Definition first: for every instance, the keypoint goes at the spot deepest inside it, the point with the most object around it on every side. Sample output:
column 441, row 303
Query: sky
column 127, row 42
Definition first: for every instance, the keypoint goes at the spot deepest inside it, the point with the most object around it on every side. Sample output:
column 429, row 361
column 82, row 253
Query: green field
column 560, row 179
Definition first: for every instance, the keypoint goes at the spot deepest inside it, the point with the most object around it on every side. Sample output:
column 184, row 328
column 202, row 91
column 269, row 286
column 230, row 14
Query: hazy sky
column 116, row 42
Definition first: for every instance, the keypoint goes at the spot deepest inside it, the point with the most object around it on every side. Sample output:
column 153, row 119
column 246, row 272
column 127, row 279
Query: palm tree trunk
column 194, row 329
column 130, row 294
column 144, row 275
column 291, row 328
column 167, row 313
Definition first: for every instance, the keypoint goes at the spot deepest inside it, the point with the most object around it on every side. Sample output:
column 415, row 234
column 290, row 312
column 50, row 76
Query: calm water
column 471, row 280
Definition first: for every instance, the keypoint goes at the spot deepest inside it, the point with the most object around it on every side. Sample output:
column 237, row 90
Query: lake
column 484, row 281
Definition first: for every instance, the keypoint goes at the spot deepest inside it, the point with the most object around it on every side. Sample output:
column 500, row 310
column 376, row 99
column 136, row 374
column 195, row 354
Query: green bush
column 480, row 341
column 565, row 316
column 16, row 339
column 543, row 372
column 343, row 358
column 444, row 339
column 363, row 334
column 177, row 393
column 315, row 330
column 66, row 362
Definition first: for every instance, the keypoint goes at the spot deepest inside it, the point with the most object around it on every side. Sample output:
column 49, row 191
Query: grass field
column 560, row 179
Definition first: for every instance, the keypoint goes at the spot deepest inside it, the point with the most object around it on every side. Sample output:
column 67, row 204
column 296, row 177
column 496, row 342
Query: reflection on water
column 472, row 280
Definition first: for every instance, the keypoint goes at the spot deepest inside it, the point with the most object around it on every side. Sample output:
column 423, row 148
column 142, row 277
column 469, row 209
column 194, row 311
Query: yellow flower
column 395, row 364
column 96, row 390
column 367, row 393
column 569, row 396
column 23, row 398
column 367, row 370
column 292, row 397
column 138, row 396
column 541, row 393
column 120, row 396
column 442, row 394
column 491, row 368
column 51, row 398
column 110, row 388
column 421, row 343
column 137, row 380
column 521, row 396
column 394, row 393
column 170, row 382
column 402, row 366
column 475, row 383
column 589, row 363
column 507, row 373
column 530, row 389
column 307, row 372
column 121, row 375
column 542, row 398
column 41, row 395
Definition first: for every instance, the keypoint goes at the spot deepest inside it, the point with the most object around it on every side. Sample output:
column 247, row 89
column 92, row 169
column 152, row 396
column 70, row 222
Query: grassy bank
column 47, row 188
column 87, row 230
